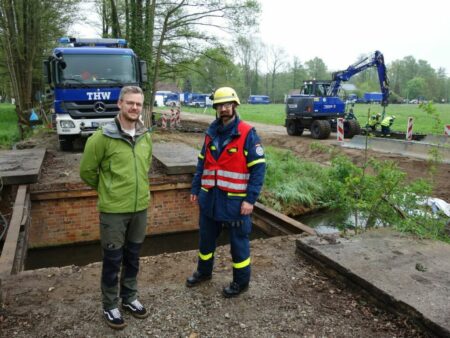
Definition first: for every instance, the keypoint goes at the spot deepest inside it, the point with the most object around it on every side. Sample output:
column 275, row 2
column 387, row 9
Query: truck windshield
column 88, row 69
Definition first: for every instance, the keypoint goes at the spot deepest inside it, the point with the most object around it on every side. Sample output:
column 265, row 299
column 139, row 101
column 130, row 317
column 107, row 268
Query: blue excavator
column 318, row 105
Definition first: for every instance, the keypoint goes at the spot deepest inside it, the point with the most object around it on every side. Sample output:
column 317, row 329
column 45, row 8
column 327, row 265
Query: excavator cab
column 315, row 88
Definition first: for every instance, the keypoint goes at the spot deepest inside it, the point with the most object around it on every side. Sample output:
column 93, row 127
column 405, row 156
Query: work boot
column 234, row 290
column 196, row 279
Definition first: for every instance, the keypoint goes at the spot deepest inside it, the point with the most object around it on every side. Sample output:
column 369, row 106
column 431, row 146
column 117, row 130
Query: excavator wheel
column 351, row 128
column 320, row 129
column 294, row 128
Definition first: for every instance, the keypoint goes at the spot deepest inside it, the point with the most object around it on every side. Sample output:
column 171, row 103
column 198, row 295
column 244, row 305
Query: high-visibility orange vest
column 229, row 172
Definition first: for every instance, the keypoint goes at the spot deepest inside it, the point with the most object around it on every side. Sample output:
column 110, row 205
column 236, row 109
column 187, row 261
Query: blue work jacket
column 216, row 203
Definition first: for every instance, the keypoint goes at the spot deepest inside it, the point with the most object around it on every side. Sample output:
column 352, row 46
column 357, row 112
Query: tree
column 170, row 34
column 249, row 52
column 316, row 69
column 298, row 73
column 276, row 61
column 27, row 30
column 416, row 87
column 212, row 69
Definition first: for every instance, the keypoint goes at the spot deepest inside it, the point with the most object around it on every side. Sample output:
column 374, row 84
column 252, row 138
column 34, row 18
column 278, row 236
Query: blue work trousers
column 210, row 230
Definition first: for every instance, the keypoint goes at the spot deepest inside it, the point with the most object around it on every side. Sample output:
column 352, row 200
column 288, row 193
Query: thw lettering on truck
column 98, row 95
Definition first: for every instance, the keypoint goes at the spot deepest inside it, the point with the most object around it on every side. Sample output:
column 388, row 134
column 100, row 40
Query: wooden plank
column 288, row 221
column 21, row 166
column 12, row 236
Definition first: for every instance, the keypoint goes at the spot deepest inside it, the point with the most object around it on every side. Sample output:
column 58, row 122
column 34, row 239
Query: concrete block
column 415, row 149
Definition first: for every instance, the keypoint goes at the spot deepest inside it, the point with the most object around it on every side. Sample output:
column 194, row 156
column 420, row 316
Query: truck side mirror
column 143, row 69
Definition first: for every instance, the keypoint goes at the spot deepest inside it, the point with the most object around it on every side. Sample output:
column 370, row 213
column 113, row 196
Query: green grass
column 8, row 125
column 290, row 183
column 275, row 114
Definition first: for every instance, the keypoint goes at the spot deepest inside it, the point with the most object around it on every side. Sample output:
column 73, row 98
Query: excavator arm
column 376, row 60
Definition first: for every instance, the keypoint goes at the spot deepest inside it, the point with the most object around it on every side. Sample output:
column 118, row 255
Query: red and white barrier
column 340, row 129
column 172, row 117
column 447, row 130
column 164, row 121
column 409, row 130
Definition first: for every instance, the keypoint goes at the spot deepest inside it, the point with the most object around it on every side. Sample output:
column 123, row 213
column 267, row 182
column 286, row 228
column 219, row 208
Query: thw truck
column 373, row 97
column 86, row 76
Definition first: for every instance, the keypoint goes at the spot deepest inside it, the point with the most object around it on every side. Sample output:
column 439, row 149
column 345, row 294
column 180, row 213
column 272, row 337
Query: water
column 327, row 222
column 330, row 221
column 88, row 253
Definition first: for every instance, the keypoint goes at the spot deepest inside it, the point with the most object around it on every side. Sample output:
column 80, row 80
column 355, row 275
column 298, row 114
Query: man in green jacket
column 115, row 163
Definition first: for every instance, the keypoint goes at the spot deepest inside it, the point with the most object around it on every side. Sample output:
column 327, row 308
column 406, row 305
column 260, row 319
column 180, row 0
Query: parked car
column 197, row 103
column 258, row 99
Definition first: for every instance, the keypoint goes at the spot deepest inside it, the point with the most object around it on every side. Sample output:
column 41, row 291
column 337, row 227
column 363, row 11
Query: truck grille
column 97, row 109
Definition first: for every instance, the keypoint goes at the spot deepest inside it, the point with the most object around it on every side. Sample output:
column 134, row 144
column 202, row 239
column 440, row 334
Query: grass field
column 8, row 125
column 274, row 114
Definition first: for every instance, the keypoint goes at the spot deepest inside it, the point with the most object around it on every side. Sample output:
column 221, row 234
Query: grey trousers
column 121, row 237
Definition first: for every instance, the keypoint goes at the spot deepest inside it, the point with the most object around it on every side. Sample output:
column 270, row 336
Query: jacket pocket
column 246, row 226
column 204, row 199
column 234, row 206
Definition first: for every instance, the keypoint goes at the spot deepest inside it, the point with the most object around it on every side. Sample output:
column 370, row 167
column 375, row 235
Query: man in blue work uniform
column 229, row 177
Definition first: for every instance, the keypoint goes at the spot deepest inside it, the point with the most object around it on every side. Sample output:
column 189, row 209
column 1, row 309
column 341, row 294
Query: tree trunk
column 115, row 25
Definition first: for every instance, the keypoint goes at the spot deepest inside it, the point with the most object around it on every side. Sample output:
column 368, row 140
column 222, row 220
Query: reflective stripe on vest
column 231, row 174
column 231, row 186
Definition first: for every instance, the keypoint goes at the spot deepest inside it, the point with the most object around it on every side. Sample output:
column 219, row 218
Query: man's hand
column 246, row 208
column 193, row 198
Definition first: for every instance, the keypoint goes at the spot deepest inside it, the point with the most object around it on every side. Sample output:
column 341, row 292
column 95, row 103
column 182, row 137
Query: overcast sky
column 340, row 31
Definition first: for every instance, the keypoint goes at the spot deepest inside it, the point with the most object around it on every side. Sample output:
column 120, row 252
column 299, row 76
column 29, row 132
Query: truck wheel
column 294, row 128
column 65, row 143
column 351, row 128
column 320, row 129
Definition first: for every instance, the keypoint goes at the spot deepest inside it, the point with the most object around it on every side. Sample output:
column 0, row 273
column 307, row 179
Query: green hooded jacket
column 117, row 166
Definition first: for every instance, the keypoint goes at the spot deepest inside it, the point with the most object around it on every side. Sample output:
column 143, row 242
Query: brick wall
column 68, row 214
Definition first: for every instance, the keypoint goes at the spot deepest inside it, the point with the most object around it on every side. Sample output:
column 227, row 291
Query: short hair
column 130, row 90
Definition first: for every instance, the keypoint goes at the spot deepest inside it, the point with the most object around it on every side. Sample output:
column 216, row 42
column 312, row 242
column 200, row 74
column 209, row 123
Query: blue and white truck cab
column 86, row 76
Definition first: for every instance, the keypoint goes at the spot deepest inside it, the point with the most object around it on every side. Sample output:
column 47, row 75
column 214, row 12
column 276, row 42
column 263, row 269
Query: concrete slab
column 437, row 139
column 414, row 149
column 412, row 276
column 176, row 158
column 21, row 166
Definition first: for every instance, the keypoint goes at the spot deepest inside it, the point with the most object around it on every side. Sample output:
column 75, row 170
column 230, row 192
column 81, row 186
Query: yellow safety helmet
column 224, row 95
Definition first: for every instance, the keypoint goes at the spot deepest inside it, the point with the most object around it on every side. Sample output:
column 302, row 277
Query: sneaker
column 114, row 318
column 136, row 309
